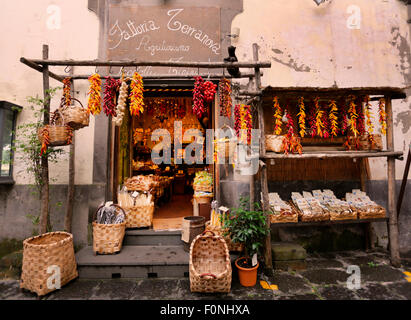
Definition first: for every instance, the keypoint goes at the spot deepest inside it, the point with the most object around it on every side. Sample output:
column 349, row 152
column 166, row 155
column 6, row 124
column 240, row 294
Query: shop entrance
column 169, row 110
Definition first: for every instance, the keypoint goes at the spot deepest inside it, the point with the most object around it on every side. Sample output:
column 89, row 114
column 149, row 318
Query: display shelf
column 327, row 223
column 334, row 154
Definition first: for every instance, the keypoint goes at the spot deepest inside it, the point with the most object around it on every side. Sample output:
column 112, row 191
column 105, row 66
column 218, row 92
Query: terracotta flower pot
column 247, row 276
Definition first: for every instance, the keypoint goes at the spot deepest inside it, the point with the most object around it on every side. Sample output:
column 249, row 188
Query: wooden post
column 44, row 159
column 404, row 181
column 392, row 210
column 263, row 170
column 68, row 218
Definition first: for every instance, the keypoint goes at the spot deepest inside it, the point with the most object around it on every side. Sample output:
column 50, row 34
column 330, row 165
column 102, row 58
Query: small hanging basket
column 75, row 116
column 210, row 265
column 53, row 252
column 108, row 238
column 55, row 135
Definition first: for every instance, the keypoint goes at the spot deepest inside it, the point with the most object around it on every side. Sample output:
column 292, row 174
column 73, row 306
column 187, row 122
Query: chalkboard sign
column 163, row 34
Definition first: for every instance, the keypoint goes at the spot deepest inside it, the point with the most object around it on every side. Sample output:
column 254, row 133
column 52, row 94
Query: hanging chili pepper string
column 353, row 116
column 45, row 140
column 277, row 117
column 361, row 118
column 136, row 95
column 312, row 122
column 326, row 123
column 291, row 142
column 333, row 117
column 383, row 116
column 301, row 117
column 248, row 122
column 110, row 91
column 94, row 101
column 319, row 125
column 198, row 97
column 343, row 117
column 67, row 91
column 224, row 88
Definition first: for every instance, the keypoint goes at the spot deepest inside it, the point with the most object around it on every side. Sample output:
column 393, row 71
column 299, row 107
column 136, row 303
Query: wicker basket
column 59, row 134
column 335, row 216
column 274, row 143
column 139, row 217
column 210, row 265
column 380, row 212
column 203, row 199
column 282, row 218
column 75, row 116
column 325, row 216
column 232, row 246
column 108, row 238
column 42, row 252
column 202, row 188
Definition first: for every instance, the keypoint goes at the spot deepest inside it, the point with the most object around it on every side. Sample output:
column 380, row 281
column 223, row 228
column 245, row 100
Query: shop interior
column 173, row 195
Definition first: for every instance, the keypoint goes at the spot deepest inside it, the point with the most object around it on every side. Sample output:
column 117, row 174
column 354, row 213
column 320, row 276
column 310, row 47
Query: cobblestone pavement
column 325, row 278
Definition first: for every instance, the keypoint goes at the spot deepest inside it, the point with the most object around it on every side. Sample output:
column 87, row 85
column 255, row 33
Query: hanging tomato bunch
column 67, row 91
column 110, row 91
column 209, row 91
column 136, row 95
column 383, row 116
column 278, row 122
column 333, row 117
column 302, row 116
column 94, row 101
column 224, row 88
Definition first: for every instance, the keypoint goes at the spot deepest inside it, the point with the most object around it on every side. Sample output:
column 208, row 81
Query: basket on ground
column 139, row 217
column 210, row 265
column 45, row 255
column 108, row 238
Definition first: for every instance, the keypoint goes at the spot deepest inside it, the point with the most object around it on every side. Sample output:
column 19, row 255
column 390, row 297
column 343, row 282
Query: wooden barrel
column 191, row 228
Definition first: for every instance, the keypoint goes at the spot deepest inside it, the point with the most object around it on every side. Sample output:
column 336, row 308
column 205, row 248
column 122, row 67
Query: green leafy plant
column 247, row 226
column 27, row 145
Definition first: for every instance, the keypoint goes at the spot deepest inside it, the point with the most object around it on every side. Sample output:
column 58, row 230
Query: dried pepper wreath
column 110, row 91
column 94, row 101
column 383, row 116
column 67, row 91
column 333, row 117
column 301, row 117
column 136, row 95
column 278, row 122
column 224, row 89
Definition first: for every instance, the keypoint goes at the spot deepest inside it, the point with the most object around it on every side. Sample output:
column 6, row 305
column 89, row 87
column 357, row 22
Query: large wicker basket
column 232, row 246
column 139, row 217
column 377, row 212
column 41, row 256
column 108, row 238
column 210, row 265
column 75, row 116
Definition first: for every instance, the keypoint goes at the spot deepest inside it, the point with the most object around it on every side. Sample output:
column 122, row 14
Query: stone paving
column 325, row 278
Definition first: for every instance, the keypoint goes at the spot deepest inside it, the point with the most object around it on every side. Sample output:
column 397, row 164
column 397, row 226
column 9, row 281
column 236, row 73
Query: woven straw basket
column 210, row 265
column 42, row 252
column 232, row 246
column 139, row 217
column 59, row 132
column 335, row 216
column 204, row 188
column 108, row 238
column 75, row 116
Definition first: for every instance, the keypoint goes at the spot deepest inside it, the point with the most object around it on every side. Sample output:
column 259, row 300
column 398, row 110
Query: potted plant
column 248, row 227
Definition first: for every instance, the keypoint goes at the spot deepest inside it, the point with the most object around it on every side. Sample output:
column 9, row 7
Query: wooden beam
column 334, row 154
column 44, row 214
column 135, row 63
column 214, row 76
column 39, row 68
column 404, row 181
column 392, row 210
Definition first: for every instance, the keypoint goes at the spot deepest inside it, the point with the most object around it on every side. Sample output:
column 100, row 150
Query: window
column 8, row 116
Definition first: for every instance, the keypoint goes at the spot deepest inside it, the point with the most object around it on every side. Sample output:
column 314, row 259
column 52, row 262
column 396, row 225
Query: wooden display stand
column 202, row 208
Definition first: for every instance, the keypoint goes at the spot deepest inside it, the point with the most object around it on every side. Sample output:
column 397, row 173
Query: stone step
column 134, row 262
column 149, row 237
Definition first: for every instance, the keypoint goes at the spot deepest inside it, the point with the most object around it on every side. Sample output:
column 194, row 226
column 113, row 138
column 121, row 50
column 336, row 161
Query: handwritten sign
column 163, row 34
